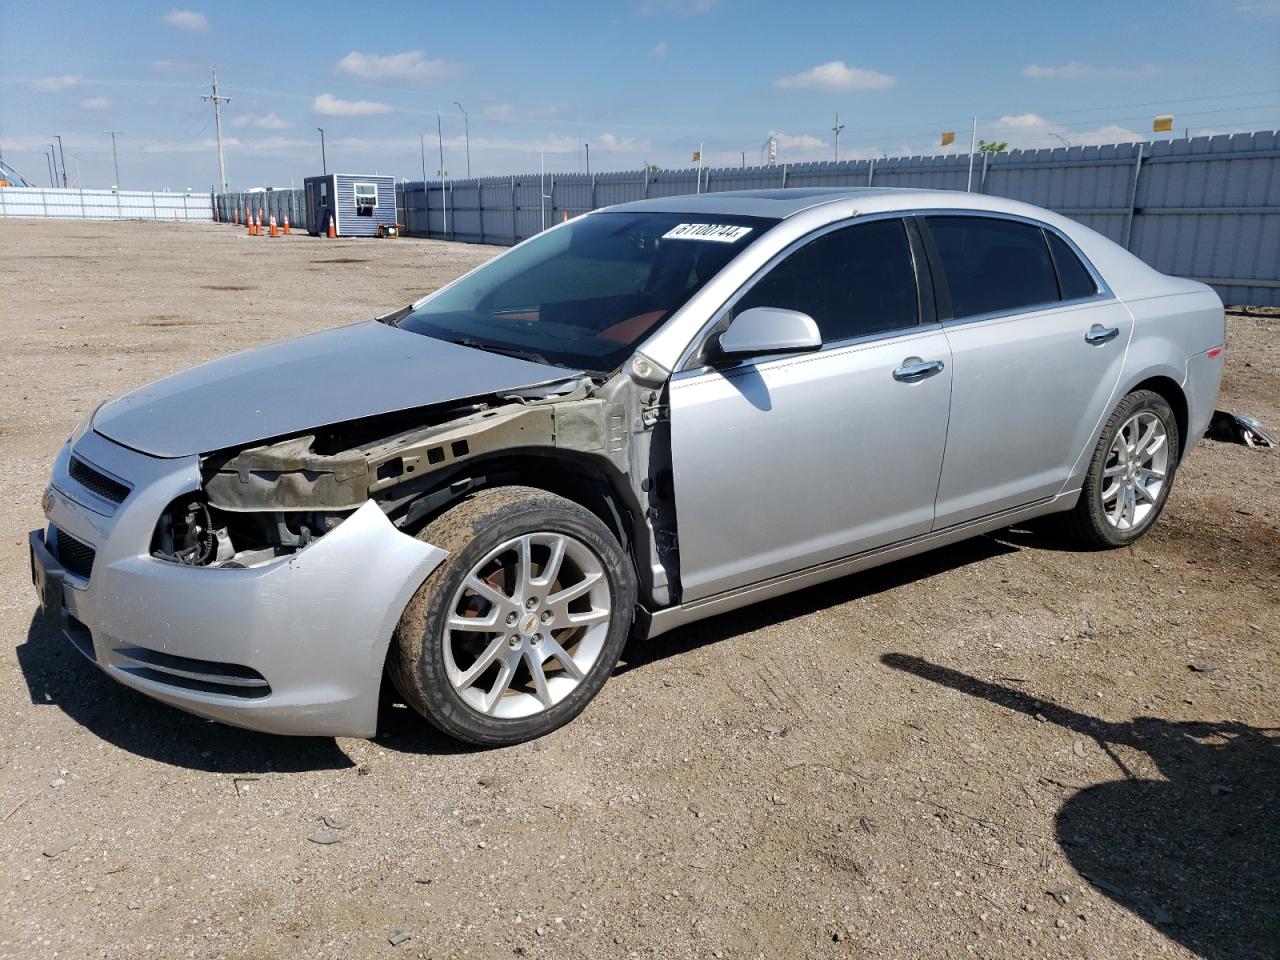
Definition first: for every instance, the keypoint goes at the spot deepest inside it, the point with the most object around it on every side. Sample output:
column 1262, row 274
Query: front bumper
column 295, row 646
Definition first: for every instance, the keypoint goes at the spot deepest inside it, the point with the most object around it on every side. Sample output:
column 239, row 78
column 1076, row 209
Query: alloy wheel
column 1135, row 472
column 527, row 625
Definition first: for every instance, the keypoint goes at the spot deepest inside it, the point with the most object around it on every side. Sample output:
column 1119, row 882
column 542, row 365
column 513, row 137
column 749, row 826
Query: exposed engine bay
column 270, row 500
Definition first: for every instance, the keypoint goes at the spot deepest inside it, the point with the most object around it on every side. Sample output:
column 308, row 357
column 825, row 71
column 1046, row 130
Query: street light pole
column 466, row 126
column 836, row 129
column 324, row 163
column 444, row 200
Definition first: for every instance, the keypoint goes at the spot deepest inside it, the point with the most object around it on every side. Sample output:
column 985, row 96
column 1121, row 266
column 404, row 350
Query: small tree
column 651, row 167
column 991, row 146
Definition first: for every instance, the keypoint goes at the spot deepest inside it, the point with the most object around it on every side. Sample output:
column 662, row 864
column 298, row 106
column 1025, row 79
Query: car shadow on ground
column 57, row 675
column 1196, row 854
column 641, row 652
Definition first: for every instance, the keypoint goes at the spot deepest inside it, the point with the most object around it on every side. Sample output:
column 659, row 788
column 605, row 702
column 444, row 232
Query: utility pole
column 466, row 126
column 217, row 101
column 48, row 157
column 63, row 156
column 324, row 163
column 588, row 146
column 422, row 149
column 444, row 199
column 114, row 161
column 836, row 129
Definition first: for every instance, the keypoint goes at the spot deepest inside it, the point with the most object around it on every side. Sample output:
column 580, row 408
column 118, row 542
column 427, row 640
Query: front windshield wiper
column 504, row 351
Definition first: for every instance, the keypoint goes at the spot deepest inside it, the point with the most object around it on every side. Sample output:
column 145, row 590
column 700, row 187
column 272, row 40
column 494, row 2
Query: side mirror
column 764, row 330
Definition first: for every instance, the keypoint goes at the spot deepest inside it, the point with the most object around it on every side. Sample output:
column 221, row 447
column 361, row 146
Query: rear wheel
column 1131, row 473
column 520, row 627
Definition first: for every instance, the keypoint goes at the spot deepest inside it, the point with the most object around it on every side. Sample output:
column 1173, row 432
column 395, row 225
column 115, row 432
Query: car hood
column 337, row 375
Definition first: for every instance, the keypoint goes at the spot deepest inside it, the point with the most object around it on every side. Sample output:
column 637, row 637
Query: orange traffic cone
column 286, row 225
column 274, row 230
column 248, row 222
column 333, row 232
column 257, row 224
column 235, row 216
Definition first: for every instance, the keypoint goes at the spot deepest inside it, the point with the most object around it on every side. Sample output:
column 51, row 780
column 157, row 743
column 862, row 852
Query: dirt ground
column 1006, row 748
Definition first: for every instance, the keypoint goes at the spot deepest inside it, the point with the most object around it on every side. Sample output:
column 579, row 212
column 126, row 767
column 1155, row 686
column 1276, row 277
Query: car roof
column 780, row 204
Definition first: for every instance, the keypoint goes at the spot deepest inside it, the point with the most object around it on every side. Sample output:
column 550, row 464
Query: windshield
column 584, row 295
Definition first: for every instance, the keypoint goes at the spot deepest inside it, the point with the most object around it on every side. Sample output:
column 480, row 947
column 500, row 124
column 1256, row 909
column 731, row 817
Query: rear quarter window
column 1073, row 276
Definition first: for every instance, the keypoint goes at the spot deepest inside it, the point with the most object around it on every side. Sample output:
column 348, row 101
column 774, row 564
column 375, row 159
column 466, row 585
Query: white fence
column 70, row 204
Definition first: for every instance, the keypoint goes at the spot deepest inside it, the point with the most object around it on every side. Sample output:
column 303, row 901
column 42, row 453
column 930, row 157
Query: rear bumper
column 1204, row 377
column 295, row 646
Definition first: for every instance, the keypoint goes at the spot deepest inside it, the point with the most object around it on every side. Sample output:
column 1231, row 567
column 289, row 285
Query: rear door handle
column 914, row 369
column 1098, row 334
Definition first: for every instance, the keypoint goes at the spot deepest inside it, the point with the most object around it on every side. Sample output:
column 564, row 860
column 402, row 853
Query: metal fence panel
column 1207, row 208
column 76, row 204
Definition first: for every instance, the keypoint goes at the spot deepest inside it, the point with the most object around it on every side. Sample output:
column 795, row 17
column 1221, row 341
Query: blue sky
column 640, row 80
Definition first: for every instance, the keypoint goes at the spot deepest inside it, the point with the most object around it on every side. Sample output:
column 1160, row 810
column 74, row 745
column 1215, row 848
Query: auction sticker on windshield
column 717, row 232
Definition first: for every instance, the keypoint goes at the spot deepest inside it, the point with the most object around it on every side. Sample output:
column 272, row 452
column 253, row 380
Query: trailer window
column 366, row 198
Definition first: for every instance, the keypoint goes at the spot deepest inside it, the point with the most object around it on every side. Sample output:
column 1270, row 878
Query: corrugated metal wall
column 72, row 204
column 350, row 224
column 1207, row 208
column 232, row 206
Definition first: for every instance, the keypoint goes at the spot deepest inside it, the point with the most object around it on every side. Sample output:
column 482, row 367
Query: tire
column 1106, row 517
column 547, row 656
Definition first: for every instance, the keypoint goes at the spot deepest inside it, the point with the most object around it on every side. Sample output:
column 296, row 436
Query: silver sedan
column 641, row 418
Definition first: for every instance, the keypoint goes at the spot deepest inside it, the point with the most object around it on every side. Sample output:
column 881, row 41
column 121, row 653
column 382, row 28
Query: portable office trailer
column 359, row 204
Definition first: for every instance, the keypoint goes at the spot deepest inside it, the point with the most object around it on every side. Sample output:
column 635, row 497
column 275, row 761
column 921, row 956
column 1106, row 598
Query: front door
column 781, row 463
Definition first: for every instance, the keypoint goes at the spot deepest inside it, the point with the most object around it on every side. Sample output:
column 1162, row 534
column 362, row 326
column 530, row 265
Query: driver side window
column 853, row 282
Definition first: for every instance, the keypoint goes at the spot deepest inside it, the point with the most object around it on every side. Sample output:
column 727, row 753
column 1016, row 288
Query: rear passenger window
column 1073, row 277
column 856, row 281
column 993, row 265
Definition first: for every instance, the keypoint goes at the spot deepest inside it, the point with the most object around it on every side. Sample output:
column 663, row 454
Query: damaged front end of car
column 259, row 503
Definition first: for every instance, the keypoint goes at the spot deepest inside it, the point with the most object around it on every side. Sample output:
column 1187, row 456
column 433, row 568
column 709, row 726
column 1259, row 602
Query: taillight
column 1216, row 352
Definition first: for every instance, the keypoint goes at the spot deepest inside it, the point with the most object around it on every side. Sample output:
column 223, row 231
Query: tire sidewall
column 1137, row 402
column 443, row 704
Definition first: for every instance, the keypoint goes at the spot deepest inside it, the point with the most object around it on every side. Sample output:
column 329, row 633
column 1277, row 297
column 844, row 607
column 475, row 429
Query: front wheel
column 515, row 633
column 1131, row 473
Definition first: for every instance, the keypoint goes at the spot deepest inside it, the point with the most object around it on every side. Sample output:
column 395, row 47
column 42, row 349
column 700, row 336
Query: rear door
column 1037, row 343
column 786, row 462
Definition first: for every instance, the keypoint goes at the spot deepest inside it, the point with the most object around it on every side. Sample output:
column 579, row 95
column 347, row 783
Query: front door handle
column 1098, row 334
column 914, row 369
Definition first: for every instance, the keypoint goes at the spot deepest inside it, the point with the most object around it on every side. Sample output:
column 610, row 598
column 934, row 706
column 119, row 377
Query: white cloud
column 798, row 142
column 1030, row 131
column 608, row 141
column 269, row 121
column 330, row 106
column 1075, row 70
column 836, row 75
column 187, row 19
column 187, row 146
column 659, row 50
column 96, row 103
column 410, row 65
column 1022, row 121
column 1264, row 8
column 511, row 111
column 55, row 84
column 679, row 8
